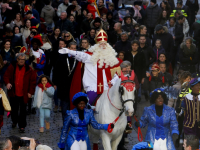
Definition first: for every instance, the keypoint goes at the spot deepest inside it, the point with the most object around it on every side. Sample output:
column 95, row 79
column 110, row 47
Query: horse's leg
column 115, row 143
column 105, row 141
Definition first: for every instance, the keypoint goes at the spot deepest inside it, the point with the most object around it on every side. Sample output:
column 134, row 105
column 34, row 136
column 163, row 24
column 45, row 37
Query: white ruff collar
column 190, row 97
column 37, row 53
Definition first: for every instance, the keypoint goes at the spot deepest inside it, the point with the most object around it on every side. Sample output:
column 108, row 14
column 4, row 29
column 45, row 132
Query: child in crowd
column 158, row 49
column 43, row 100
column 105, row 22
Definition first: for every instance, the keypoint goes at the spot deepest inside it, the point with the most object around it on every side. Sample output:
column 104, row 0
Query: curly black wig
column 155, row 95
column 79, row 99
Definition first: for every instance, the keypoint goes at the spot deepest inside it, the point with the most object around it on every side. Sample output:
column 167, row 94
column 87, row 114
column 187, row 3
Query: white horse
column 119, row 97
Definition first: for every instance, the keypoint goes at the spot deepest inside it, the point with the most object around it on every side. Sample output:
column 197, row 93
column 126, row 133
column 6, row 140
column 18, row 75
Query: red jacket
column 29, row 81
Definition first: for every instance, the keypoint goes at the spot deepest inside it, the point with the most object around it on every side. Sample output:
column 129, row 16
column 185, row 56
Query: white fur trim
column 46, row 46
column 190, row 97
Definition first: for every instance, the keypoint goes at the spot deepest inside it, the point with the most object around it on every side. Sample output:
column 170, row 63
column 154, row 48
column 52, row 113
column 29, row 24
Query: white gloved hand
column 64, row 51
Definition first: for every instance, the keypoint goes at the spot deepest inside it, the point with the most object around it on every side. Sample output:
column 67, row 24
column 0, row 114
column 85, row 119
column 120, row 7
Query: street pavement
column 51, row 137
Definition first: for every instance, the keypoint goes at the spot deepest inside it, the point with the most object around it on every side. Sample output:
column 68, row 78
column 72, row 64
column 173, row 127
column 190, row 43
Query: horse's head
column 127, row 91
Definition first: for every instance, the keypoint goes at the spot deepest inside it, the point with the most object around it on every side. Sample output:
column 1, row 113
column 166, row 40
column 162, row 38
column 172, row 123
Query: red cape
column 76, row 84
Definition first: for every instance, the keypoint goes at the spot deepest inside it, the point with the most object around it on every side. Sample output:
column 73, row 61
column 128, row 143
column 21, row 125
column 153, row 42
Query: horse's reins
column 122, row 110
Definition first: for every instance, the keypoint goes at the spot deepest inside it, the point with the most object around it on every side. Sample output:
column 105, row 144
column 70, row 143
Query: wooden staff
column 95, row 3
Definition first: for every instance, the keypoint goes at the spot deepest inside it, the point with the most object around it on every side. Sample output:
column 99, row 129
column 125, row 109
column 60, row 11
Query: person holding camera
column 20, row 142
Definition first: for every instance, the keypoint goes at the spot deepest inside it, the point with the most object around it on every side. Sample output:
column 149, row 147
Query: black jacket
column 123, row 46
column 137, row 35
column 151, row 83
column 152, row 15
column 85, row 26
column 138, row 64
column 167, row 43
column 113, row 37
column 187, row 63
column 178, row 34
column 149, row 55
column 61, row 76
column 194, row 8
column 65, row 25
column 168, row 78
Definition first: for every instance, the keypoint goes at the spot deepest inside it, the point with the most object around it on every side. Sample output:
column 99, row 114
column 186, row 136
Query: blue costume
column 78, row 120
column 160, row 127
column 78, row 128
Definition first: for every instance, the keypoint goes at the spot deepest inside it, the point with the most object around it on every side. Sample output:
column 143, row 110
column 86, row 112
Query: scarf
column 137, row 13
column 42, row 87
column 6, row 50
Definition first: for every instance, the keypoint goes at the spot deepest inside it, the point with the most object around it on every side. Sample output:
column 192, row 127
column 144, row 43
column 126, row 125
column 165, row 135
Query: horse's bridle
column 121, row 91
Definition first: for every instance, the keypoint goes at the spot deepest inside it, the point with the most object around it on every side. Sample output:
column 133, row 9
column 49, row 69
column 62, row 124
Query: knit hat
column 194, row 81
column 154, row 1
column 97, row 19
column 137, row 3
column 80, row 96
column 158, row 27
column 155, row 66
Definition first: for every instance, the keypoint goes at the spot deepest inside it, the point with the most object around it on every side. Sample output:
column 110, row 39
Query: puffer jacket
column 152, row 15
column 47, row 98
column 48, row 14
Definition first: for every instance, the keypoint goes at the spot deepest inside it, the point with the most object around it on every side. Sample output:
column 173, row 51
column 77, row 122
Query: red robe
column 92, row 10
column 76, row 84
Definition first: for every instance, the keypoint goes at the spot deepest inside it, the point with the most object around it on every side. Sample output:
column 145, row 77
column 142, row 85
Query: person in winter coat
column 161, row 121
column 114, row 12
column 163, row 18
column 105, row 22
column 26, row 29
column 62, row 77
column 194, row 8
column 196, row 28
column 165, row 6
column 138, row 61
column 171, row 26
column 21, row 86
column 188, row 56
column 128, row 25
column 155, row 80
column 76, row 121
column 158, row 49
column 166, row 39
column 163, row 59
column 179, row 31
column 152, row 14
column 167, row 75
column 111, row 21
column 43, row 100
column 147, row 50
column 85, row 24
column 124, row 44
column 142, row 32
column 138, row 12
column 63, row 7
column 101, row 7
column 65, row 24
column 97, row 24
column 48, row 14
column 184, row 8
column 16, row 31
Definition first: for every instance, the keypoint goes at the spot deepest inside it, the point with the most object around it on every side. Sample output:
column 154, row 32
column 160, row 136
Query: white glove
column 64, row 51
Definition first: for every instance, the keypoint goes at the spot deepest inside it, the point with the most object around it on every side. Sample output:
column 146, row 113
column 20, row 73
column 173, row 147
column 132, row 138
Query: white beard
column 107, row 56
